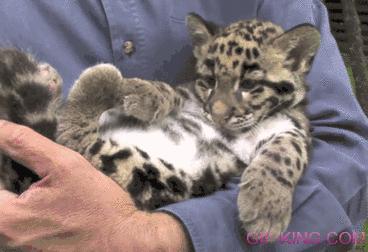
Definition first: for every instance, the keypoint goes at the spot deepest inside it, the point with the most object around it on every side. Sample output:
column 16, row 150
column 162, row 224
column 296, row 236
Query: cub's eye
column 248, row 84
column 284, row 87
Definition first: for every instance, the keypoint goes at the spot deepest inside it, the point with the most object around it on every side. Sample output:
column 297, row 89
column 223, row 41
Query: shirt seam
column 113, row 37
column 140, row 37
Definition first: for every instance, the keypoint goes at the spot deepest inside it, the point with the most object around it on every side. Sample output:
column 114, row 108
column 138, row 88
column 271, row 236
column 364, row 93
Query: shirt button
column 128, row 47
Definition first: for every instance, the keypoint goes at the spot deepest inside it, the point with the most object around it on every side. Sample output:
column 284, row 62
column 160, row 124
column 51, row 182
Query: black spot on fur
column 143, row 153
column 264, row 152
column 277, row 142
column 290, row 173
column 14, row 62
column 232, row 43
column 96, row 147
column 151, row 170
column 240, row 165
column 295, row 122
column 239, row 50
column 222, row 48
column 209, row 63
column 247, row 68
column 255, row 52
column 298, row 164
column 287, row 161
column 248, row 54
column 176, row 185
column 122, row 154
column 189, row 125
column 36, row 97
column 108, row 166
column 219, row 144
column 278, row 176
column 152, row 176
column 296, row 147
column 138, row 182
column 249, row 29
column 15, row 109
column 167, row 165
column 275, row 156
column 205, row 184
column 247, row 37
column 270, row 30
column 259, row 40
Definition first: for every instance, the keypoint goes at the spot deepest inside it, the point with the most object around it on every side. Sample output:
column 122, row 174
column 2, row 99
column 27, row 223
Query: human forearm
column 150, row 232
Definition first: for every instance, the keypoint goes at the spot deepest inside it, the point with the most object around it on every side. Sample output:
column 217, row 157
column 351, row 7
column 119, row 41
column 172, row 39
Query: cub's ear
column 201, row 32
column 300, row 45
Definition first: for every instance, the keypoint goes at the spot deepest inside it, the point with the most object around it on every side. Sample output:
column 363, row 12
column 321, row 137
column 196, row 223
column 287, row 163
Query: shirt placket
column 127, row 36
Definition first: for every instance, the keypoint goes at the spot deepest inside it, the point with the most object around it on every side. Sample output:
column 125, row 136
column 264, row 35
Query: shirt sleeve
column 331, row 197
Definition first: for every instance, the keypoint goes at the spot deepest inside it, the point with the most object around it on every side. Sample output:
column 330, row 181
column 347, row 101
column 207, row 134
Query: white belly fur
column 184, row 155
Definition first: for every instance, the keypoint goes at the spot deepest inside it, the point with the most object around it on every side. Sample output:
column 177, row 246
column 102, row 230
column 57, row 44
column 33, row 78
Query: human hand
column 74, row 207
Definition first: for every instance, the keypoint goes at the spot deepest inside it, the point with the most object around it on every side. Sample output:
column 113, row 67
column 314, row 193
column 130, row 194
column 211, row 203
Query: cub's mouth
column 233, row 124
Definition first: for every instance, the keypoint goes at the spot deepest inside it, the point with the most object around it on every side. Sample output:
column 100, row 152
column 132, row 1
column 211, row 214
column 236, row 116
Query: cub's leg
column 144, row 102
column 29, row 95
column 267, row 185
column 97, row 89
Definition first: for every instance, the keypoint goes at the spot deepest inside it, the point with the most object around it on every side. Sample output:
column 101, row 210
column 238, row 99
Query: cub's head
column 250, row 70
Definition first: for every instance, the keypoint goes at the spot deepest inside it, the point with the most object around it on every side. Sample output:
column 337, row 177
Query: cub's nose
column 221, row 112
column 219, row 108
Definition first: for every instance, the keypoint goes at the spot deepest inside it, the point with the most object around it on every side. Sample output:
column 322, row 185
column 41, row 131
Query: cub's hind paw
column 264, row 207
column 100, row 84
column 102, row 71
column 48, row 76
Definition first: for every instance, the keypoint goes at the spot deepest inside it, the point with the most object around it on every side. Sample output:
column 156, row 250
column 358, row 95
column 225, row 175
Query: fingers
column 29, row 148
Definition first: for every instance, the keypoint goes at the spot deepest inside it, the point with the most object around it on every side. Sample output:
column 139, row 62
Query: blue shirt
column 72, row 35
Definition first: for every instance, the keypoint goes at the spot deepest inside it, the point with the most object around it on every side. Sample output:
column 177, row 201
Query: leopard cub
column 243, row 116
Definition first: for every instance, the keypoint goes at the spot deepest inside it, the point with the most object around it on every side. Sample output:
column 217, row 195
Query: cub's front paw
column 265, row 205
column 143, row 107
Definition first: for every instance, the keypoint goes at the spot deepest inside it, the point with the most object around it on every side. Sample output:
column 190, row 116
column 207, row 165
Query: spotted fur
column 243, row 115
column 126, row 129
column 29, row 95
column 253, row 72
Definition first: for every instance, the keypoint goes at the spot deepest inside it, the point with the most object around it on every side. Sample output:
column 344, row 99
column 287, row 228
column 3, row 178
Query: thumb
column 6, row 195
column 29, row 148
